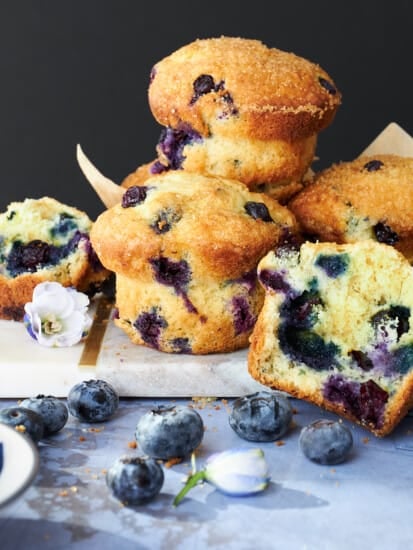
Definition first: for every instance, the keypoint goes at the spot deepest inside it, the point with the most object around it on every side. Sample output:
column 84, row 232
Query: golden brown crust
column 275, row 168
column 200, row 228
column 273, row 94
column 347, row 200
column 213, row 226
column 139, row 176
column 378, row 278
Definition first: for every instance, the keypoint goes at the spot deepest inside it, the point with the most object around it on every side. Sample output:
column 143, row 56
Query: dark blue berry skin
column 135, row 480
column 202, row 85
column 373, row 165
column 261, row 416
column 134, row 195
column 326, row 442
column 24, row 420
column 52, row 410
column 327, row 85
column 169, row 432
column 92, row 401
column 258, row 211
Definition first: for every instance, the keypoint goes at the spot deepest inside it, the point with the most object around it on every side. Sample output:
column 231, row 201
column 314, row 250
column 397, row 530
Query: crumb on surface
column 280, row 443
column 132, row 444
column 172, row 461
column 365, row 440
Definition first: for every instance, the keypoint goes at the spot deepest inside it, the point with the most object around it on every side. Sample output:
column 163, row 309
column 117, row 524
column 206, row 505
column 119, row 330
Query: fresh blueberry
column 169, row 432
column 92, row 401
column 135, row 480
column 261, row 416
column 52, row 410
column 24, row 421
column 326, row 442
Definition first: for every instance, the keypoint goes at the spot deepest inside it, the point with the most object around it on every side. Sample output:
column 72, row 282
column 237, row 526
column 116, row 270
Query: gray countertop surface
column 365, row 502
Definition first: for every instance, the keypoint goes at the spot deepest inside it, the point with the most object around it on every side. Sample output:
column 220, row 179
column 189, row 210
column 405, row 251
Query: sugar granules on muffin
column 239, row 110
column 185, row 249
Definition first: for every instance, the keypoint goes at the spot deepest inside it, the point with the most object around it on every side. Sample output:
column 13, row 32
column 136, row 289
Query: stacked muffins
column 234, row 108
column 226, row 199
column 336, row 327
column 185, row 243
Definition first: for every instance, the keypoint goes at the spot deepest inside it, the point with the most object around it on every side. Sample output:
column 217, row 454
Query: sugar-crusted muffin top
column 370, row 197
column 227, row 84
column 219, row 223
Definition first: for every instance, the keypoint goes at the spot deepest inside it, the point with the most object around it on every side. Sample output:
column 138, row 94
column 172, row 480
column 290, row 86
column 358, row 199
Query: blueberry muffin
column 185, row 248
column 235, row 108
column 368, row 198
column 336, row 329
column 44, row 240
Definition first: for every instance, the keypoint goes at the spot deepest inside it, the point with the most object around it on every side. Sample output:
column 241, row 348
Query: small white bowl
column 20, row 463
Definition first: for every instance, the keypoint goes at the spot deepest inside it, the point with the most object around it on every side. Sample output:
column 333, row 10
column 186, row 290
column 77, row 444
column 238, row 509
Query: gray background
column 77, row 72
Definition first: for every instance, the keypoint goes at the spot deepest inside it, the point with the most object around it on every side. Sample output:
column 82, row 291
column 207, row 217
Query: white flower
column 236, row 472
column 57, row 316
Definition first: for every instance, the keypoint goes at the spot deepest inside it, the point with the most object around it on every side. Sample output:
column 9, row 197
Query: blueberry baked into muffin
column 185, row 248
column 44, row 240
column 336, row 329
column 368, row 198
column 235, row 108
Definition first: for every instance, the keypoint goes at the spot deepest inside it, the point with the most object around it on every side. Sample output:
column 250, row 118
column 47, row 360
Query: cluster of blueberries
column 172, row 432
